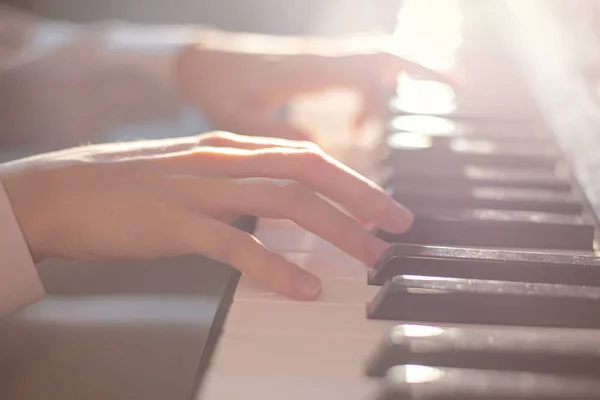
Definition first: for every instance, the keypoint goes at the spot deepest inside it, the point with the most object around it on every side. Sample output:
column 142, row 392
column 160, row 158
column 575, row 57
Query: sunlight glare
column 424, row 97
column 415, row 373
column 424, row 124
column 431, row 38
column 409, row 140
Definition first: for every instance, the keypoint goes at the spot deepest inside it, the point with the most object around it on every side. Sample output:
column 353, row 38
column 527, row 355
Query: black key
column 466, row 108
column 404, row 139
column 417, row 151
column 486, row 348
column 440, row 126
column 417, row 382
column 472, row 301
column 490, row 264
column 470, row 176
column 497, row 228
column 488, row 198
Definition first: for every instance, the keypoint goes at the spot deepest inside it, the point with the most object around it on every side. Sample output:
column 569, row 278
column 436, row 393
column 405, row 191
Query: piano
column 495, row 291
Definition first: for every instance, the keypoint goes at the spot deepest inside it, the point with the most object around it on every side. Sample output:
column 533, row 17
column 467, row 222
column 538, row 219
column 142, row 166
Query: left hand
column 240, row 89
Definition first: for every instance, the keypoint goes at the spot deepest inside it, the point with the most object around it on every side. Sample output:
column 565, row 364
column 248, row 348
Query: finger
column 128, row 150
column 391, row 65
column 247, row 254
column 320, row 172
column 227, row 139
column 361, row 197
column 284, row 199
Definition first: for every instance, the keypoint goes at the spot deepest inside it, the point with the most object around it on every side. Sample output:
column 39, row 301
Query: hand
column 240, row 89
column 159, row 198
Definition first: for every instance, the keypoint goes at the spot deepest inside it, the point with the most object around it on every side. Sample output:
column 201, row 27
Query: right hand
column 170, row 197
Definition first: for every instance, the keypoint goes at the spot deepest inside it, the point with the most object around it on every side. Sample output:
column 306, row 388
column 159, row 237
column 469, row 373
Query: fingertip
column 398, row 219
column 403, row 217
column 307, row 285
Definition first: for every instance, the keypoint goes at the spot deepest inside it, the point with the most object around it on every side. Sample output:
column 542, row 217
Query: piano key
column 487, row 264
column 440, row 126
column 337, row 291
column 418, row 150
column 518, row 145
column 469, row 176
column 242, row 349
column 296, row 240
column 485, row 348
column 472, row 301
column 418, row 382
column 488, row 198
column 268, row 363
column 306, row 329
column 497, row 228
column 300, row 317
column 469, row 105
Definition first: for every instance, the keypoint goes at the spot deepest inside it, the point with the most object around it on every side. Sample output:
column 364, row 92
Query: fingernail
column 401, row 218
column 309, row 285
column 376, row 248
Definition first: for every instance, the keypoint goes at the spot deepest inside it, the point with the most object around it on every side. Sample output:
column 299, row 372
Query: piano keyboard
column 493, row 294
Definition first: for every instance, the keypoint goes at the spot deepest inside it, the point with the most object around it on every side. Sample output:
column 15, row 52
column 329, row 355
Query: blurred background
column 269, row 16
column 516, row 58
column 480, row 40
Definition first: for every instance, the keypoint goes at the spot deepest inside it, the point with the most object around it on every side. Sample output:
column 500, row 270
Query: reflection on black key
column 488, row 198
column 439, row 126
column 465, row 107
column 397, row 139
column 470, row 176
column 538, row 351
column 471, row 301
column 498, row 228
column 417, row 382
column 491, row 264
column 418, row 151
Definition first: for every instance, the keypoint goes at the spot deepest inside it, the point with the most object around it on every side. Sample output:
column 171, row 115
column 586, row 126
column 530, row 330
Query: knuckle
column 310, row 146
column 312, row 156
column 290, row 191
column 312, row 162
column 218, row 138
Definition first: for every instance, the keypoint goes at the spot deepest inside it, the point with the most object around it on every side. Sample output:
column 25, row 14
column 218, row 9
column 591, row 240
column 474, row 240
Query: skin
column 242, row 89
column 168, row 197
